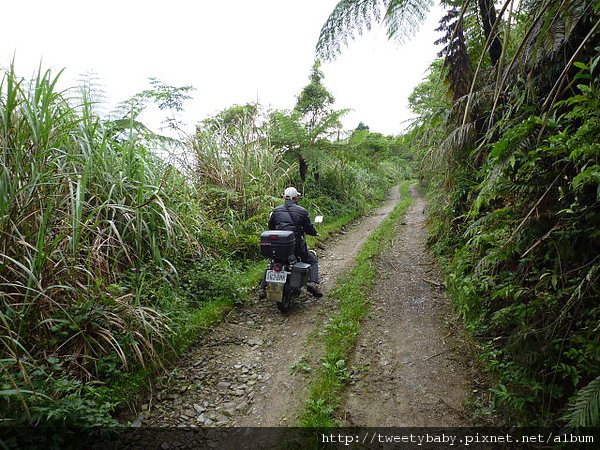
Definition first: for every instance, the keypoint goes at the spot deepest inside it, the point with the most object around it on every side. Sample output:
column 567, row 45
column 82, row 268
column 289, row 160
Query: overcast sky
column 230, row 51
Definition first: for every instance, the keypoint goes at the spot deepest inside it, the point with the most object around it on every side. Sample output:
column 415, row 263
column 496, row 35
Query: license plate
column 274, row 292
column 276, row 277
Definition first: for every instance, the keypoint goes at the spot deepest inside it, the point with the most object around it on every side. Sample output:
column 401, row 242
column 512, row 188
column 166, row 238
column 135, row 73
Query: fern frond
column 585, row 411
column 549, row 34
column 585, row 282
column 402, row 19
column 489, row 187
column 458, row 138
column 347, row 18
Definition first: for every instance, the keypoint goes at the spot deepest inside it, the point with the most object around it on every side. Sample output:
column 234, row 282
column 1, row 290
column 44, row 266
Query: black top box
column 277, row 244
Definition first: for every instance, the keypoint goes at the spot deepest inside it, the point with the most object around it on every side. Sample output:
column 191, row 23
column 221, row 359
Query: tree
column 126, row 123
column 307, row 144
column 489, row 24
column 304, row 132
column 524, row 202
column 314, row 102
column 402, row 19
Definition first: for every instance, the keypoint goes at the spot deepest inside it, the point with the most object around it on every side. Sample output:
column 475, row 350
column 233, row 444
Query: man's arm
column 309, row 228
column 271, row 225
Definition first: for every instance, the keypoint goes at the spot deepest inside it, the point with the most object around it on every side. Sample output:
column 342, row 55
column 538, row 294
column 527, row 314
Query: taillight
column 278, row 267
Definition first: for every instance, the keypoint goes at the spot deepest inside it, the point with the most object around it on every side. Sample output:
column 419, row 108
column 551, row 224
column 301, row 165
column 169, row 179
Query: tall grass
column 232, row 153
column 78, row 207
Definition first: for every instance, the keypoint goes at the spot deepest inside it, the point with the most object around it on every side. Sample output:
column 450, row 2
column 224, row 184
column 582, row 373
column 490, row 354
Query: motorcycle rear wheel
column 286, row 303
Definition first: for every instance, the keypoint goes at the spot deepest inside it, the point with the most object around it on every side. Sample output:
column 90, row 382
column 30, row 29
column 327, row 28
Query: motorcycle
column 286, row 274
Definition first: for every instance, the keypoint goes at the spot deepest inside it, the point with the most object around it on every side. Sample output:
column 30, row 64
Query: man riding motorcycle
column 293, row 217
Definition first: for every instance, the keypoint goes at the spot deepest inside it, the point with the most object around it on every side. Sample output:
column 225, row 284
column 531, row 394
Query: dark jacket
column 293, row 217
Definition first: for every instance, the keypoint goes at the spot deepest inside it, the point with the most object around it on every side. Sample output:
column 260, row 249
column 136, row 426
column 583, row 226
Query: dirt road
column 253, row 369
column 410, row 373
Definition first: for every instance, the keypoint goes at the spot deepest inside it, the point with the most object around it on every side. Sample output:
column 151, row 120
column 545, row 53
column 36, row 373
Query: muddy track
column 253, row 369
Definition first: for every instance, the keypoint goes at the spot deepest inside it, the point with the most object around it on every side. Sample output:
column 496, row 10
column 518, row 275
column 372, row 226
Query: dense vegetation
column 516, row 169
column 113, row 259
column 512, row 158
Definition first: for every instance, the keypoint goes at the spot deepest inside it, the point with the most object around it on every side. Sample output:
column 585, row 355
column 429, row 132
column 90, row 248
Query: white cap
column 291, row 192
